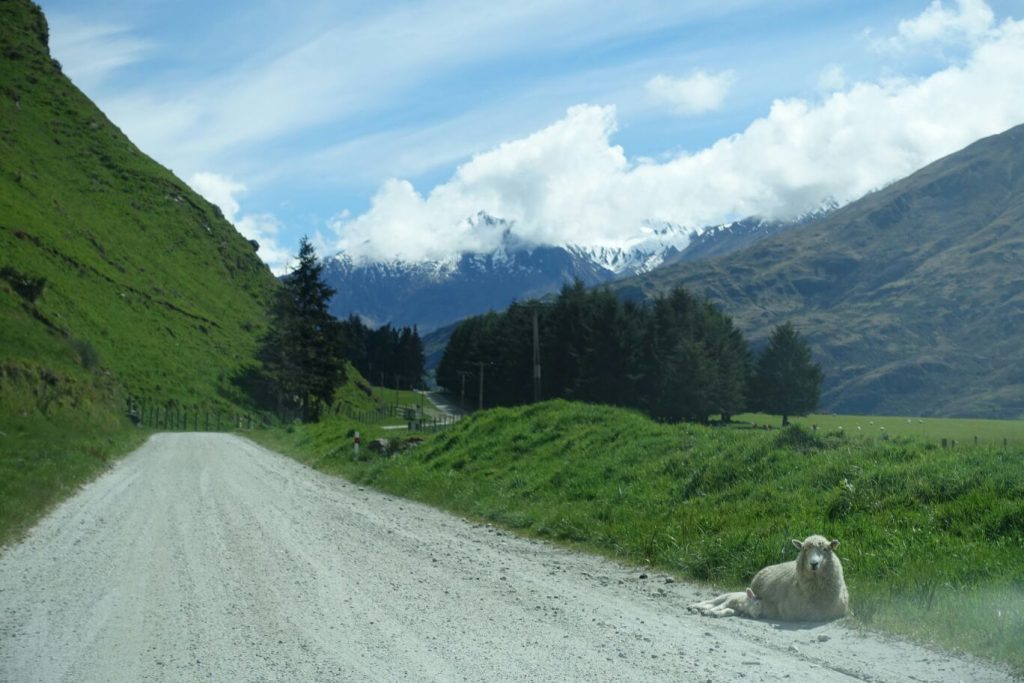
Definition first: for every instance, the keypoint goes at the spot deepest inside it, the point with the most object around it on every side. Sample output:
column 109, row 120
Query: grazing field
column 932, row 539
column 927, row 429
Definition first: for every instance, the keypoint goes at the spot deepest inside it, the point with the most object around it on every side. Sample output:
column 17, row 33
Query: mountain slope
column 136, row 274
column 116, row 281
column 912, row 297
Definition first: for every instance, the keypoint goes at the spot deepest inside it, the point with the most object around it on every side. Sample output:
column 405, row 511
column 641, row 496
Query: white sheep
column 742, row 603
column 809, row 588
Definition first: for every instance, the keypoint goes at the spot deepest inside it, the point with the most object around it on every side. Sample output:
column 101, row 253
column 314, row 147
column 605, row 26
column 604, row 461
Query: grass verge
column 932, row 539
column 45, row 460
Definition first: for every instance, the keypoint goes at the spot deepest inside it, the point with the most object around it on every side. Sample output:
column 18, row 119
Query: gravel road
column 204, row 557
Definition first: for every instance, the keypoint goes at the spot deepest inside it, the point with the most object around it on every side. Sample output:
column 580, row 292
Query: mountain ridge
column 912, row 297
column 433, row 294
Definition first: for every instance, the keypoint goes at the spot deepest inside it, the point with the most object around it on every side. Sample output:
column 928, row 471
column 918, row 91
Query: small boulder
column 382, row 446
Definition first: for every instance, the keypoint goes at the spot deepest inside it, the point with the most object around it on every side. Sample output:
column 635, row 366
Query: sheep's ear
column 834, row 543
column 799, row 545
column 750, row 593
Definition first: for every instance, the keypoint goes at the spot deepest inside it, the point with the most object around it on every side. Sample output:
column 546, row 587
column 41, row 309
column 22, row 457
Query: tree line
column 387, row 355
column 675, row 358
column 305, row 351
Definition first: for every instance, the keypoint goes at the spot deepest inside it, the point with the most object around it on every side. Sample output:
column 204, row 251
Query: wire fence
column 413, row 417
column 179, row 418
column 168, row 416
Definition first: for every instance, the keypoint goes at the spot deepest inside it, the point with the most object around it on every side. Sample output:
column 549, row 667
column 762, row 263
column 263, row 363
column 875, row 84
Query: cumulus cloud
column 263, row 227
column 969, row 22
column 220, row 190
column 569, row 183
column 698, row 93
column 832, row 78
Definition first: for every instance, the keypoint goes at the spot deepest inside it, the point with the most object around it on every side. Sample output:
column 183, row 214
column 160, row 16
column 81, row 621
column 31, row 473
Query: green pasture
column 932, row 538
column 928, row 429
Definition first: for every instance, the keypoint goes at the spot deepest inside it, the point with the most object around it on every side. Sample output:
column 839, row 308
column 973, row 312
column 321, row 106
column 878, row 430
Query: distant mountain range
column 436, row 293
column 912, row 297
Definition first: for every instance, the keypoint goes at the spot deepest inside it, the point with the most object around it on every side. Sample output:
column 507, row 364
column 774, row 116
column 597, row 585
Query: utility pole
column 536, row 357
column 480, row 405
column 463, row 374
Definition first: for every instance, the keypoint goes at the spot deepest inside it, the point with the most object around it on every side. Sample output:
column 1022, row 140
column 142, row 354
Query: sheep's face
column 816, row 552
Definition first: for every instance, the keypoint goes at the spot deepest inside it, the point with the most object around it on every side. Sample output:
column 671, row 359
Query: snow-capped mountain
column 719, row 240
column 434, row 293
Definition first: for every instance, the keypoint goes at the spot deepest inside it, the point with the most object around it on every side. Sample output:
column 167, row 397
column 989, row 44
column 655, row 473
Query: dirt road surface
column 203, row 557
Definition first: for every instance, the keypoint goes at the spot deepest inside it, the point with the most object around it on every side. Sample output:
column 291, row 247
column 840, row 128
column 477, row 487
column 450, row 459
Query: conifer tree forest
column 386, row 356
column 675, row 358
column 305, row 348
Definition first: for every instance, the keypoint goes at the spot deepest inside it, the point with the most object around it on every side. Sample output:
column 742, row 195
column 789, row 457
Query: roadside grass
column 926, row 429
column 47, row 454
column 41, row 464
column 932, row 539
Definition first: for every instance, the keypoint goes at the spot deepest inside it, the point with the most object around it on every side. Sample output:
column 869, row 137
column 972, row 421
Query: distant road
column 442, row 403
column 203, row 557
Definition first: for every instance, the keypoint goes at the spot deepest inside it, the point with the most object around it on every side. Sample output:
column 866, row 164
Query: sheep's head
column 816, row 552
column 754, row 606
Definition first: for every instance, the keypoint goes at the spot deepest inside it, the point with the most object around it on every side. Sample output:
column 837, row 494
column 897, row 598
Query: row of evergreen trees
column 387, row 355
column 676, row 358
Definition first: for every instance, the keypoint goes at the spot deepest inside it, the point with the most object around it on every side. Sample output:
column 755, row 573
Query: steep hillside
column 912, row 297
column 116, row 281
column 113, row 273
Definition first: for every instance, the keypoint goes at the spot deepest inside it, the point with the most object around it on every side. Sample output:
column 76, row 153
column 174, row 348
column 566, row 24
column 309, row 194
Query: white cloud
column 569, row 183
column 264, row 228
column 347, row 65
column 698, row 93
column 91, row 52
column 220, row 190
column 832, row 79
column 969, row 22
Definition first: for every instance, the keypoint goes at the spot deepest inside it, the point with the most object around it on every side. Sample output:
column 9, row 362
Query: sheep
column 743, row 603
column 809, row 588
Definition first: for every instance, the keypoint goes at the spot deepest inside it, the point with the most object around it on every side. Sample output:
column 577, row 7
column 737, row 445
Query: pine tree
column 303, row 353
column 786, row 381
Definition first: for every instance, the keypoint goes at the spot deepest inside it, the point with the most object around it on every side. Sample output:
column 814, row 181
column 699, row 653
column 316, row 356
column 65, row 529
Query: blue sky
column 380, row 128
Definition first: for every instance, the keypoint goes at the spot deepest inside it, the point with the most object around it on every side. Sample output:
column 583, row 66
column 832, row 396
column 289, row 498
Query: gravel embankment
column 203, row 557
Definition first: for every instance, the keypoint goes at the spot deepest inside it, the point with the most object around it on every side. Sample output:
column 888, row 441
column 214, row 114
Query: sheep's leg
column 722, row 606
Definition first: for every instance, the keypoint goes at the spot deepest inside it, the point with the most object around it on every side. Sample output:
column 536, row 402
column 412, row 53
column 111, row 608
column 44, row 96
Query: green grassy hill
column 932, row 539
column 136, row 272
column 115, row 278
column 911, row 297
